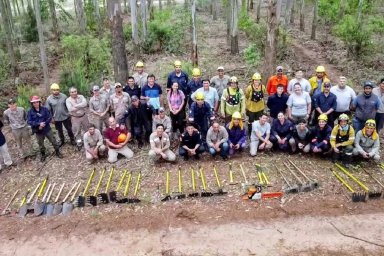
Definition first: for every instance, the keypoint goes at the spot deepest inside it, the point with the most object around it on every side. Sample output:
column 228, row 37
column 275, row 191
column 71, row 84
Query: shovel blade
column 112, row 196
column 92, row 200
column 358, row 197
column 67, row 208
column 306, row 188
column 23, row 211
column 49, row 210
column 39, row 208
column 181, row 196
column 57, row 208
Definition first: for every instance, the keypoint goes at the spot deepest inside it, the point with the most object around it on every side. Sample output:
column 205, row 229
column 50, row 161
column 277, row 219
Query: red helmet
column 35, row 98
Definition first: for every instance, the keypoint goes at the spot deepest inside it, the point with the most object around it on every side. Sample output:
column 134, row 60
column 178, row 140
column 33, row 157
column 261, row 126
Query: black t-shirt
column 190, row 140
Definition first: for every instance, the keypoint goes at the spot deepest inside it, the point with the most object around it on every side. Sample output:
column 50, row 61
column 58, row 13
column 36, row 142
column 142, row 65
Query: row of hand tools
column 39, row 201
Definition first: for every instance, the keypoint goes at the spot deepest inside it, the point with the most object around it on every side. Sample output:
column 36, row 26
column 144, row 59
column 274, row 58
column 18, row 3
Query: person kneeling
column 114, row 136
column 237, row 135
column 342, row 138
column 261, row 130
column 300, row 139
column 320, row 135
column 217, row 140
column 93, row 143
column 367, row 142
column 191, row 144
column 160, row 144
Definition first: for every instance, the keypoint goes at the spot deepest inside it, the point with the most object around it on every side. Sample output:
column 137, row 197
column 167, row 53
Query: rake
column 356, row 197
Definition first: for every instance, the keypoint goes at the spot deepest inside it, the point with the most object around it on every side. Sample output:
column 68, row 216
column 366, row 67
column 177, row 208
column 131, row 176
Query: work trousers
column 294, row 145
column 21, row 135
column 224, row 149
column 100, row 122
column 101, row 151
column 178, row 121
column 170, row 156
column 254, row 147
column 68, row 126
column 79, row 123
column 41, row 138
column 113, row 152
column 4, row 153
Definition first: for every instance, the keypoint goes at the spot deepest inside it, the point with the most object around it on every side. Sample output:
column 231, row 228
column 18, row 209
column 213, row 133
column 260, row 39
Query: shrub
column 24, row 92
column 29, row 27
column 252, row 55
column 4, row 65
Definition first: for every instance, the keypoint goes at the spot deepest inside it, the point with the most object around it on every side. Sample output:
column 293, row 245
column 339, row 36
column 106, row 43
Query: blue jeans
column 223, row 152
column 357, row 124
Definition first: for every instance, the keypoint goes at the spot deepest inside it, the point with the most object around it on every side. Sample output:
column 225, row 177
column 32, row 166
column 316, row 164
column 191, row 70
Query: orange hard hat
column 122, row 137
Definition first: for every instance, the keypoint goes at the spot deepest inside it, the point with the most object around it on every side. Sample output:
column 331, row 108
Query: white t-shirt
column 299, row 103
column 344, row 97
column 263, row 129
column 305, row 85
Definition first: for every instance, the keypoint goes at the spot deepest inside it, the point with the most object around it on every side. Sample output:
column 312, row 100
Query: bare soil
column 297, row 224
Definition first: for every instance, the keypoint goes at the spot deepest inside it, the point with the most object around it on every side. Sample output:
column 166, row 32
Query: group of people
column 214, row 115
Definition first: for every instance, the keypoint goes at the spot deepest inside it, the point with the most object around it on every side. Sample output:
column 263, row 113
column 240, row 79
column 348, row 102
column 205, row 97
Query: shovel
column 39, row 207
column 124, row 200
column 68, row 207
column 24, row 206
column 356, row 197
column 194, row 193
column 290, row 189
column 103, row 197
column 262, row 176
column 375, row 179
column 231, row 182
column 57, row 207
column 245, row 185
column 167, row 194
column 49, row 207
column 313, row 184
column 220, row 191
column 92, row 199
column 204, row 193
column 304, row 187
column 180, row 194
column 80, row 201
column 113, row 194
column 135, row 200
column 5, row 211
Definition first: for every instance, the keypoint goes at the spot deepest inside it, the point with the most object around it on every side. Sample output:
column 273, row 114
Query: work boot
column 62, row 142
column 347, row 159
column 73, row 142
column 43, row 156
column 58, row 154
column 335, row 157
column 140, row 144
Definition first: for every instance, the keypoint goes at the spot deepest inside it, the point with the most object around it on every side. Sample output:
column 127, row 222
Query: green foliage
column 24, row 92
column 86, row 59
column 29, row 27
column 127, row 31
column 44, row 10
column 330, row 10
column 90, row 15
column 252, row 55
column 355, row 35
column 256, row 32
column 4, row 65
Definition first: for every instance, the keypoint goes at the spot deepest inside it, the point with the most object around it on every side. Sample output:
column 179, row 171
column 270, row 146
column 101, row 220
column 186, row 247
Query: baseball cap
column 279, row 68
column 134, row 98
column 161, row 109
column 95, row 88
column 12, row 101
column 220, row 68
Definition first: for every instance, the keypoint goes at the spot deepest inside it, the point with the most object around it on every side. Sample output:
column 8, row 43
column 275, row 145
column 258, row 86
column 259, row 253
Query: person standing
column 152, row 93
column 299, row 105
column 4, row 150
column 277, row 79
column 254, row 100
column 233, row 100
column 176, row 102
column 325, row 103
column 99, row 107
column 164, row 120
column 317, row 82
column 77, row 108
column 220, row 81
column 56, row 104
column 140, row 77
column 120, row 101
column 344, row 97
column 178, row 76
column 106, row 90
column 194, row 84
column 39, row 118
column 210, row 95
column 16, row 118
column 277, row 102
column 93, row 143
column 131, row 88
column 305, row 85
column 379, row 118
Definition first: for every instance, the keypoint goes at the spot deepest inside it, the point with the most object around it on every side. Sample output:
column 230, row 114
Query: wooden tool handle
column 33, row 193
column 352, row 177
column 50, row 193
column 10, row 201
column 193, row 180
column 217, row 177
column 24, row 198
column 202, row 178
column 242, row 171
column 46, row 192
column 293, row 173
column 58, row 194
column 343, row 181
column 74, row 193
column 67, row 195
column 298, row 169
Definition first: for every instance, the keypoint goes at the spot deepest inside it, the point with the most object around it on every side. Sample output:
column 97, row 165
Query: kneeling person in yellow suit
column 159, row 141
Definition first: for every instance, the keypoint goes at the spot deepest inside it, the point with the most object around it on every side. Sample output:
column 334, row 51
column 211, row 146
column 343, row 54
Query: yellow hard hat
column 55, row 86
column 139, row 64
column 236, row 115
column 256, row 76
column 196, row 72
column 370, row 123
column 343, row 117
column 233, row 79
column 177, row 63
column 320, row 69
column 323, row 117
column 199, row 96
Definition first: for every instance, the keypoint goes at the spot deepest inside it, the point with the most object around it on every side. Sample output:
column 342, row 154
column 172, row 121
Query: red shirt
column 112, row 134
column 274, row 81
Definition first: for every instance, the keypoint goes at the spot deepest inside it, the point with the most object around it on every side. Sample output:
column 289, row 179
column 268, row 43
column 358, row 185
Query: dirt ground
column 322, row 222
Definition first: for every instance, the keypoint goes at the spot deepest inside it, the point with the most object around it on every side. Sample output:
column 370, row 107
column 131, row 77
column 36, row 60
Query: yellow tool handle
column 202, row 179
column 352, row 177
column 265, row 178
column 89, row 182
column 109, row 180
column 99, row 183
column 126, row 190
column 42, row 188
column 24, row 198
column 230, row 176
column 167, row 183
column 343, row 181
column 217, row 177
column 121, row 180
column 137, row 184
column 242, row 171
column 75, row 193
column 193, row 179
column 260, row 177
column 180, row 181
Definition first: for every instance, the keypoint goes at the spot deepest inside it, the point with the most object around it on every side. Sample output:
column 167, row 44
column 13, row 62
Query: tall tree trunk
column 8, row 9
column 234, row 26
column 14, row 8
column 214, row 9
column 97, row 11
column 314, row 22
column 292, row 17
column 228, row 16
column 55, row 25
column 43, row 55
column 288, row 14
column 119, row 54
column 17, row 6
column 160, row 5
column 243, row 5
column 168, row 2
column 80, row 15
column 23, row 6
column 143, row 8
column 151, row 10
column 135, row 34
column 258, row 10
column 9, row 37
column 251, row 4
column 194, row 56
column 302, row 4
column 272, row 38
